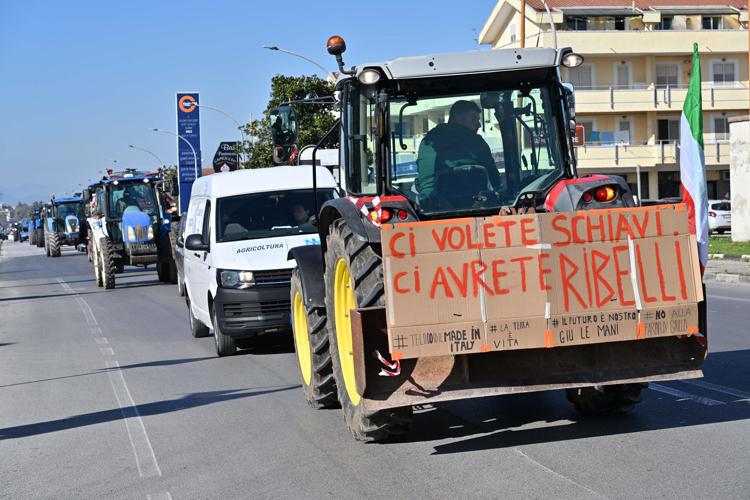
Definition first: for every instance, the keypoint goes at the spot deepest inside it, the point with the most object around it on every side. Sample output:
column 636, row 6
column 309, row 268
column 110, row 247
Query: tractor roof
column 462, row 63
column 75, row 199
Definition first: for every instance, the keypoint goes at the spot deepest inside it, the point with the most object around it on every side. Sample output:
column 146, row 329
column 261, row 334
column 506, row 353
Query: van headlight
column 234, row 279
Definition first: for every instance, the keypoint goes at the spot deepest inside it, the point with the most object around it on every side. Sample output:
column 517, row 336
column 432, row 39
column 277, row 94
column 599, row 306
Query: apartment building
column 631, row 87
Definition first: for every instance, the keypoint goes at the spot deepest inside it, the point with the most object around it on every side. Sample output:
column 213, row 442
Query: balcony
column 716, row 97
column 614, row 156
column 643, row 42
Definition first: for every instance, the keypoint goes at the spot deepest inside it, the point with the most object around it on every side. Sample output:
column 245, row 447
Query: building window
column 633, row 183
column 724, row 72
column 666, row 22
column 622, row 75
column 667, row 73
column 622, row 136
column 721, row 128
column 668, row 130
column 669, row 185
column 712, row 22
column 582, row 77
column 575, row 23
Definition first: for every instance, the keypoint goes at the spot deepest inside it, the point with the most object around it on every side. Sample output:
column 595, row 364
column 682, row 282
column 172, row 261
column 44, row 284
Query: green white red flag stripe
column 692, row 160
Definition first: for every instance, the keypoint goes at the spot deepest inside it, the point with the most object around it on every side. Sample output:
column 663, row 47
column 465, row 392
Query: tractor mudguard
column 567, row 194
column 341, row 207
column 310, row 265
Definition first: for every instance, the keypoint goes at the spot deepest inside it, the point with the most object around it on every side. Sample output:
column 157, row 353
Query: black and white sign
column 226, row 158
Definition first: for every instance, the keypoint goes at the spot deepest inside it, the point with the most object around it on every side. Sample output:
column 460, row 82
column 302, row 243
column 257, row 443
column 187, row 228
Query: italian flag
column 692, row 161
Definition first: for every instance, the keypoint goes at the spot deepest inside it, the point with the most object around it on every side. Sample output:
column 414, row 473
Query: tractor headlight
column 131, row 233
column 150, row 232
column 234, row 279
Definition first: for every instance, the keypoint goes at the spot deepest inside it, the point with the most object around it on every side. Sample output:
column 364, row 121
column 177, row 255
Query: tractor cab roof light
column 369, row 76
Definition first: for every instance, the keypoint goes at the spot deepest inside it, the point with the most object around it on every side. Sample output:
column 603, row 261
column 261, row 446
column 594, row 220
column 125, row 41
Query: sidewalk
column 727, row 271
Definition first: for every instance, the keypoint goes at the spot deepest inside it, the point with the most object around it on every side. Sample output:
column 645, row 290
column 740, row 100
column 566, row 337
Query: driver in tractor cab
column 130, row 198
column 450, row 145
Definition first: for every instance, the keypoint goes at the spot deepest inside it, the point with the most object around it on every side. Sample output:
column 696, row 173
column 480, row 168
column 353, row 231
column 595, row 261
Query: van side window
column 206, row 232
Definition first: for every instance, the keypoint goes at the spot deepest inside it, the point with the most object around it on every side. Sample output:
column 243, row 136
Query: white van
column 240, row 226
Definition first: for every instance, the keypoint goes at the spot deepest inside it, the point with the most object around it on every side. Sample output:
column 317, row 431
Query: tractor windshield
column 66, row 209
column 473, row 151
column 130, row 196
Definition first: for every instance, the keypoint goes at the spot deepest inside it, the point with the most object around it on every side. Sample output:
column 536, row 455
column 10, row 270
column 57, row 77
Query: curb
column 727, row 277
column 729, row 256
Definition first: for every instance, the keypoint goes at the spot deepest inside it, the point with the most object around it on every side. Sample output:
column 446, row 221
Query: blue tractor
column 128, row 226
column 63, row 224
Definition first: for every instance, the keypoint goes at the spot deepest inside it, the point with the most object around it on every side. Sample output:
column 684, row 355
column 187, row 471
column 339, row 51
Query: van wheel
column 197, row 329
column 311, row 345
column 354, row 279
column 606, row 399
column 225, row 345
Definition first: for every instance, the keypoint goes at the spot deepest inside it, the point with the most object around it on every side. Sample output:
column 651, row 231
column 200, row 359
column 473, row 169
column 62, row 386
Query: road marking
column 719, row 388
column 142, row 449
column 160, row 496
column 101, row 340
column 557, row 474
column 145, row 459
column 684, row 395
column 710, row 296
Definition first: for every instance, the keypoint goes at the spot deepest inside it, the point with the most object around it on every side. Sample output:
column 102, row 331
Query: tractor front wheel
column 312, row 347
column 354, row 279
column 108, row 264
column 54, row 245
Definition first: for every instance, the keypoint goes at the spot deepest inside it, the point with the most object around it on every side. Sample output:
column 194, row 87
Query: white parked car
column 719, row 216
column 239, row 228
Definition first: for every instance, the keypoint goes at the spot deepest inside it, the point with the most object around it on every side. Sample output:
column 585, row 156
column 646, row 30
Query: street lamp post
column 161, row 163
column 195, row 156
column 311, row 61
column 239, row 126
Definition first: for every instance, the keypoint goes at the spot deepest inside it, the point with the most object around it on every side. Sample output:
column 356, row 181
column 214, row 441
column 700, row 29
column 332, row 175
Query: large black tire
column 197, row 329
column 366, row 270
column 39, row 237
column 108, row 264
column 311, row 339
column 46, row 243
column 172, row 272
column 606, row 399
column 96, row 262
column 225, row 345
column 54, row 245
column 32, row 237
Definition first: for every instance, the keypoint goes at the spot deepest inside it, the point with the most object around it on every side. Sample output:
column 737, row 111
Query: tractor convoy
column 456, row 254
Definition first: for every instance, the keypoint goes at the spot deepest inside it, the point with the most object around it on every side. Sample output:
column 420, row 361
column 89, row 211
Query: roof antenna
column 551, row 23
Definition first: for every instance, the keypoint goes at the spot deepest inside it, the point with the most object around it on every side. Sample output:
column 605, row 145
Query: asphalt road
column 105, row 394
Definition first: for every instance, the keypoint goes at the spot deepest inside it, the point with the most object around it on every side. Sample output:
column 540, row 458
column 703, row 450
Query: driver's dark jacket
column 450, row 145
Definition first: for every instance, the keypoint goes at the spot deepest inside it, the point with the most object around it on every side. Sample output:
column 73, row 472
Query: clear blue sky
column 80, row 80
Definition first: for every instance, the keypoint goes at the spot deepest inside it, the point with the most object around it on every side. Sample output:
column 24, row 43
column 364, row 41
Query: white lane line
column 557, row 474
column 711, row 296
column 719, row 388
column 142, row 449
column 101, row 340
column 684, row 395
column 96, row 331
column 145, row 458
column 160, row 496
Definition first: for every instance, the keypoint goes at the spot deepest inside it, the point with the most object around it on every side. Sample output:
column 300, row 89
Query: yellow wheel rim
column 343, row 303
column 302, row 338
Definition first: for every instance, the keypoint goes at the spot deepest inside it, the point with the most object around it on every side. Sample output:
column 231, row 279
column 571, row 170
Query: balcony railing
column 645, row 155
column 639, row 97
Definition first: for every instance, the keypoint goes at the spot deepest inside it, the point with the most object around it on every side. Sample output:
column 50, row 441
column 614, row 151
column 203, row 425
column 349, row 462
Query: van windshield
column 267, row 215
